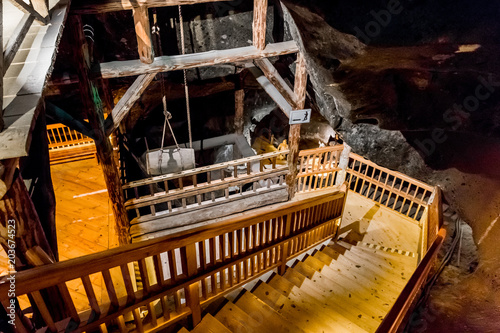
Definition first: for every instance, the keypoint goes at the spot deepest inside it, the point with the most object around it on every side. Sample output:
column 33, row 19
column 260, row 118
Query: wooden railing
column 318, row 168
column 178, row 192
column 66, row 144
column 392, row 189
column 181, row 272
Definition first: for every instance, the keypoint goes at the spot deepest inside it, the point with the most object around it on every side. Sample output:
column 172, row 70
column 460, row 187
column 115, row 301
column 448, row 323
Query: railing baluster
column 110, row 288
column 44, row 311
column 89, row 290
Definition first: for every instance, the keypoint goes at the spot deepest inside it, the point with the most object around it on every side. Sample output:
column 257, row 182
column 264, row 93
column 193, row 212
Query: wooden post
column 89, row 91
column 343, row 164
column 143, row 32
column 259, row 23
column 239, row 105
column 37, row 167
column 193, row 290
column 435, row 220
column 294, row 134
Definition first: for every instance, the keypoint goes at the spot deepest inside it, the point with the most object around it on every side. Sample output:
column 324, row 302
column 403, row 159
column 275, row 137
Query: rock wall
column 422, row 100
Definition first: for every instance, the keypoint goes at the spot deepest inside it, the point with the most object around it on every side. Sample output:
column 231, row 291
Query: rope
column 186, row 89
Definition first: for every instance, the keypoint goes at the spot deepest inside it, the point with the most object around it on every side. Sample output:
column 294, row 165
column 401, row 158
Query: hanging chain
column 186, row 89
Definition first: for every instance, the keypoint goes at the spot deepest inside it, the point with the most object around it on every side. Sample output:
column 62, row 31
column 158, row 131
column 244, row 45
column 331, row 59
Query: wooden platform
column 368, row 222
column 84, row 219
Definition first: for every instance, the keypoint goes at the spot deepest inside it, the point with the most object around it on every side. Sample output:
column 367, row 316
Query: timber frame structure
column 232, row 256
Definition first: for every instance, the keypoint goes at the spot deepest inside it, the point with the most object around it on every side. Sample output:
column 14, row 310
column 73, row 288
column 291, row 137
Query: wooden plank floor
column 368, row 222
column 84, row 221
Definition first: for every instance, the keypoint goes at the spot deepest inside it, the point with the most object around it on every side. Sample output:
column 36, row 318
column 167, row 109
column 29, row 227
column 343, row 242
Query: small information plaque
column 300, row 116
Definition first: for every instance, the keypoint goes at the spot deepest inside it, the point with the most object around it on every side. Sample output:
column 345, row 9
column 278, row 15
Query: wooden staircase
column 341, row 287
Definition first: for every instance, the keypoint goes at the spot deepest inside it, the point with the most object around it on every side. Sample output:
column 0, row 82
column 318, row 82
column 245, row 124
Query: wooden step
column 374, row 259
column 385, row 291
column 341, row 303
column 264, row 314
column 388, row 273
column 236, row 320
column 406, row 266
column 310, row 317
column 365, row 302
column 210, row 325
column 388, row 256
column 358, row 288
column 367, row 272
column 298, row 295
column 183, row 330
column 356, row 282
column 370, row 268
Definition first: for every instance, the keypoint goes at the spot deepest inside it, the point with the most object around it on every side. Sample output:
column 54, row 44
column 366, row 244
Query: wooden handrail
column 392, row 172
column 318, row 168
column 192, row 172
column 393, row 321
column 230, row 254
column 376, row 187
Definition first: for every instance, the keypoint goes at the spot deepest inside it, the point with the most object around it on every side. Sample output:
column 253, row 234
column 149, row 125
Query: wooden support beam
column 16, row 40
column 294, row 134
column 104, row 149
column 122, row 108
column 171, row 63
column 272, row 91
column 259, row 23
column 275, row 78
column 27, row 9
column 81, row 7
column 143, row 32
column 41, row 7
column 239, row 106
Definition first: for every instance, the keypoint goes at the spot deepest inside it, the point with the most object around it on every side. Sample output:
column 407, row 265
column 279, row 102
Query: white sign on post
column 300, row 116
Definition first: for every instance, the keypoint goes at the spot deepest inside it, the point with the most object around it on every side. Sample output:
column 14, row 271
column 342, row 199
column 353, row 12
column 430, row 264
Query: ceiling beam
column 171, row 63
column 104, row 6
column 126, row 103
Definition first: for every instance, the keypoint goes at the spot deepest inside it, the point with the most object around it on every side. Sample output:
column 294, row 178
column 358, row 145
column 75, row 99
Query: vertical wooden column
column 294, row 134
column 193, row 290
column 239, row 105
column 143, row 32
column 95, row 114
column 259, row 23
column 435, row 220
column 37, row 168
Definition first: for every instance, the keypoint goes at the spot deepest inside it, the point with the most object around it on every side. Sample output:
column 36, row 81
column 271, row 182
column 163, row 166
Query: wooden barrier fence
column 392, row 189
column 213, row 259
column 177, row 192
column 318, row 168
column 67, row 145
